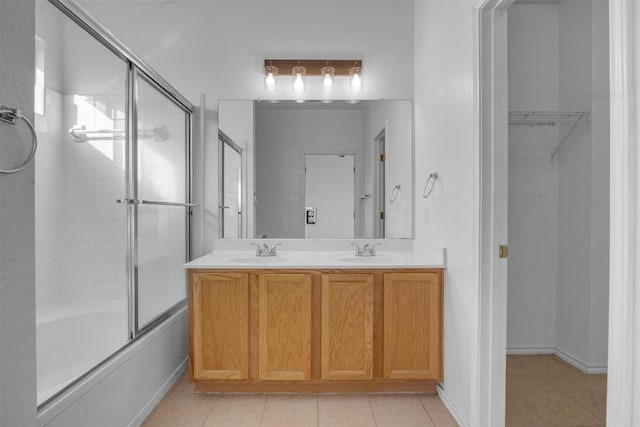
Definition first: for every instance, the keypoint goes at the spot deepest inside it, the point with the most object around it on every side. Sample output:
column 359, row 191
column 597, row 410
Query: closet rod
column 547, row 118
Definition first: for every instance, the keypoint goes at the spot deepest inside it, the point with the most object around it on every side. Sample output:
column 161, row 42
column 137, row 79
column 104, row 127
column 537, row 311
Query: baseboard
column 451, row 406
column 523, row 351
column 579, row 364
column 153, row 402
column 571, row 360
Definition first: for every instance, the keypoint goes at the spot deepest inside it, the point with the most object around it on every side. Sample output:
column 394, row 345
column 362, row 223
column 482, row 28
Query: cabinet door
column 285, row 326
column 347, row 326
column 412, row 304
column 220, row 326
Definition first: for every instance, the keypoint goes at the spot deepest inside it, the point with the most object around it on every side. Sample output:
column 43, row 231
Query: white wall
column 444, row 142
column 17, row 240
column 583, row 244
column 218, row 48
column 283, row 136
column 558, row 210
column 533, row 55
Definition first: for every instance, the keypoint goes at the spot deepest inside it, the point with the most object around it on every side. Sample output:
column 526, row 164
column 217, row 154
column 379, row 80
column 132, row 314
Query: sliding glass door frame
column 138, row 68
column 135, row 329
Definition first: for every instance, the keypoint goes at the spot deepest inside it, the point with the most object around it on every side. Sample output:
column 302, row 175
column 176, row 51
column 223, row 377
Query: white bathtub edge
column 52, row 411
column 153, row 402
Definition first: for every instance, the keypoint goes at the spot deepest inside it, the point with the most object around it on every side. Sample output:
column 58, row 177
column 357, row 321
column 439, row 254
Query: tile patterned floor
column 181, row 407
column 544, row 391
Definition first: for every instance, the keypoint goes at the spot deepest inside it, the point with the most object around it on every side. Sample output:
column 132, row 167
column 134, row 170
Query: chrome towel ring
column 431, row 180
column 10, row 115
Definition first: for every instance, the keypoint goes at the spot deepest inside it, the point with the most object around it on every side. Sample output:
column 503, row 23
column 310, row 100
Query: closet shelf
column 547, row 118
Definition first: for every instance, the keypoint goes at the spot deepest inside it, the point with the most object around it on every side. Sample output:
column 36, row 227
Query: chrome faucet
column 367, row 250
column 265, row 250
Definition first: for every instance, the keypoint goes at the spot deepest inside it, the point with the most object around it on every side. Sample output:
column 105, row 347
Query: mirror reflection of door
column 329, row 196
column 379, row 193
column 231, row 186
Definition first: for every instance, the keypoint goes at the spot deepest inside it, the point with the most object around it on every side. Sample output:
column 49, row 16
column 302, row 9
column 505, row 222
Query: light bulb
column 356, row 83
column 298, row 84
column 327, row 82
column 270, row 84
column 270, row 81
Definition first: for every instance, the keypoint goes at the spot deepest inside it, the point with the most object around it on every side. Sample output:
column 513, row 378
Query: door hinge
column 504, row 251
column 382, row 157
column 382, row 215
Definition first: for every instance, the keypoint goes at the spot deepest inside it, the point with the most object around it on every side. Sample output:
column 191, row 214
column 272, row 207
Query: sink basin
column 366, row 259
column 257, row 259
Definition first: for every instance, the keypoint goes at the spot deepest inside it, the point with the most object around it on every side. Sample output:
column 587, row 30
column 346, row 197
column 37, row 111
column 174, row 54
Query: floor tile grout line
column 264, row 409
column 426, row 410
column 373, row 414
column 587, row 409
column 213, row 401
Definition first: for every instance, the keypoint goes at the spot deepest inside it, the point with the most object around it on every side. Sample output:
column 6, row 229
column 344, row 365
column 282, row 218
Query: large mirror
column 317, row 170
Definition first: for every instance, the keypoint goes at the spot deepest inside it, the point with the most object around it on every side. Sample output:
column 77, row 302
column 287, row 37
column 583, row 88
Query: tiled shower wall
column 49, row 191
column 81, row 230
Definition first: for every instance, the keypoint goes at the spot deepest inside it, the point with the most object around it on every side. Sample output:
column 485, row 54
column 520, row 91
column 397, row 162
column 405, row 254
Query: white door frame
column 491, row 121
column 490, row 67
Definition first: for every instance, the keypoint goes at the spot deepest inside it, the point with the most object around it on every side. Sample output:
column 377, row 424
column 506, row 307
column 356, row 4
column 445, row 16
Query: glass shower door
column 162, row 207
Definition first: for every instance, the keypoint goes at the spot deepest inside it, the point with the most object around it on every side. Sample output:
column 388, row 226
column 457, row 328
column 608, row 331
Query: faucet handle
column 273, row 251
column 372, row 249
column 358, row 248
column 258, row 248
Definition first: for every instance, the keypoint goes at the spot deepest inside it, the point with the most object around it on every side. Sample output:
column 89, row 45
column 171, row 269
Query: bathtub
column 72, row 338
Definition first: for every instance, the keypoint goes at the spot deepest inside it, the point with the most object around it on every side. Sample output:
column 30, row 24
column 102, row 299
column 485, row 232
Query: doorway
column 558, row 212
column 493, row 106
column 329, row 196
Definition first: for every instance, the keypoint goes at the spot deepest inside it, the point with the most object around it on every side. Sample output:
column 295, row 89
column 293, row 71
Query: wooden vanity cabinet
column 220, row 326
column 347, row 327
column 412, row 325
column 285, row 326
column 349, row 330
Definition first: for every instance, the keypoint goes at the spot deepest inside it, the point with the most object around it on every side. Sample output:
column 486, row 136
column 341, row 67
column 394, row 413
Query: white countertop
column 301, row 257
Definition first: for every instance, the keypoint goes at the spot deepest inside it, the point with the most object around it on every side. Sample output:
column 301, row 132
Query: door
column 347, row 326
column 285, row 326
column 220, row 318
column 329, row 196
column 161, row 202
column 412, row 341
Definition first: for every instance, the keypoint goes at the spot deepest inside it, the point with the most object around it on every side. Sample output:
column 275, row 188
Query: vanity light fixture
column 270, row 73
column 326, row 70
